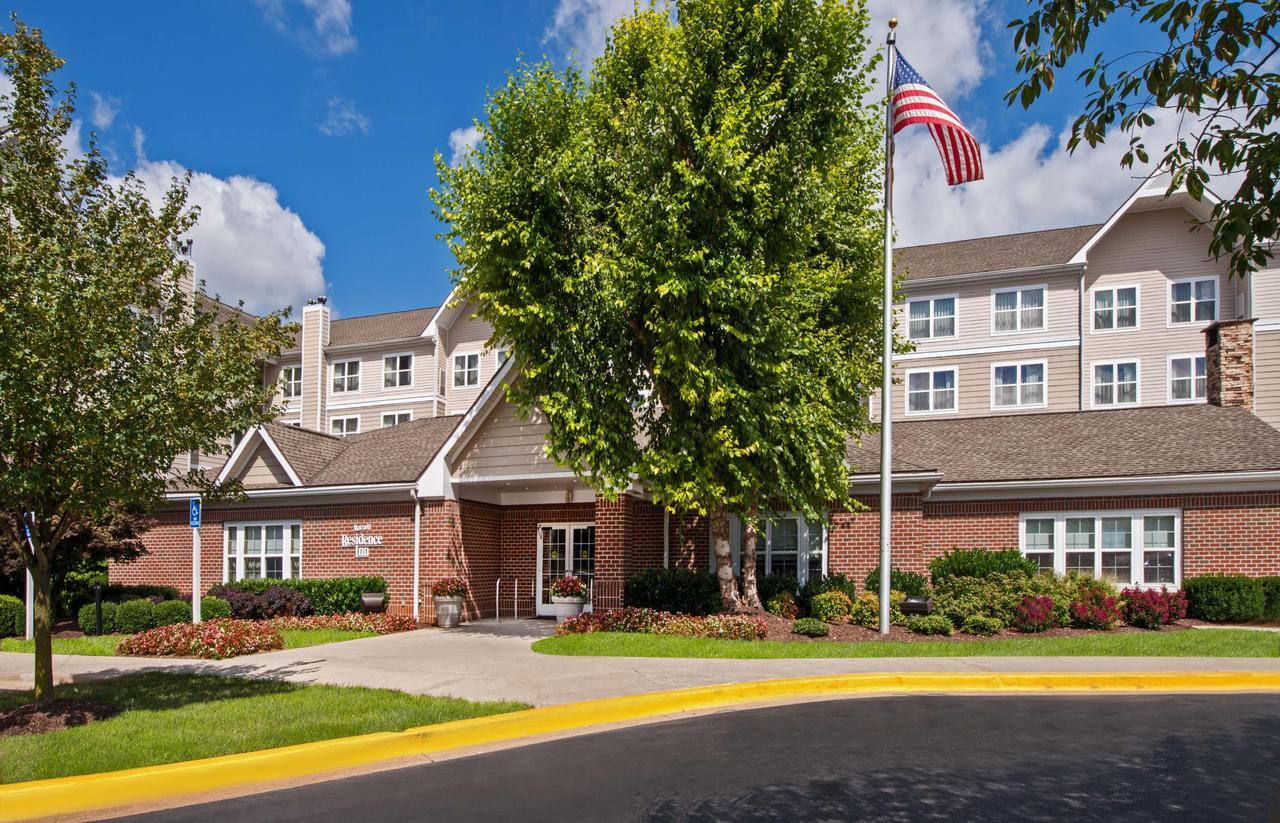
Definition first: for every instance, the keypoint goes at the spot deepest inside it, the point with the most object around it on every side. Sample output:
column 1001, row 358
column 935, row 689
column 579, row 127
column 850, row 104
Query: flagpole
column 886, row 383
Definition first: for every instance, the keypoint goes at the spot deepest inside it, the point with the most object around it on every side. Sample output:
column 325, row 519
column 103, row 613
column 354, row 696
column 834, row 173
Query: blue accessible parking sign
column 195, row 512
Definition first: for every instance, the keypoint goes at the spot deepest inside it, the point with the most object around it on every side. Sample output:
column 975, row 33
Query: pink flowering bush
column 649, row 621
column 1094, row 608
column 1033, row 614
column 1151, row 609
column 214, row 640
column 568, row 586
column 348, row 622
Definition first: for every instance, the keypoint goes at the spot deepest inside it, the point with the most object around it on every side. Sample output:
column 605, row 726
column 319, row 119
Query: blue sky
column 311, row 125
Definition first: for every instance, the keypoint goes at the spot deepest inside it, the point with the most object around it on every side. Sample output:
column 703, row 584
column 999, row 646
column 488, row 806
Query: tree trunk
column 43, row 630
column 750, row 592
column 724, row 561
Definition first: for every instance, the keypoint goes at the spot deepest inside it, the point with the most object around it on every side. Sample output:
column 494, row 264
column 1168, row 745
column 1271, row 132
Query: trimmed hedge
column 680, row 591
column 831, row 606
column 979, row 625
column 13, row 616
column 1271, row 594
column 87, row 619
column 213, row 608
column 172, row 612
column 1225, row 598
column 73, row 599
column 327, row 595
column 830, row 583
column 810, row 627
column 135, row 616
column 912, row 584
column 980, row 563
column 771, row 585
column 930, row 624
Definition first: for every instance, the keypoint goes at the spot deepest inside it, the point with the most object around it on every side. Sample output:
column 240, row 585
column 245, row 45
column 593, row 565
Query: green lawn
column 1191, row 643
column 168, row 718
column 106, row 644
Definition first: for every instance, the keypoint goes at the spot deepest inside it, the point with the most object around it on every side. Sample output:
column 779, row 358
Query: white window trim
column 498, row 359
column 413, row 364
column 333, row 375
column 1093, row 402
column 1193, row 322
column 284, row 382
column 453, row 373
column 1044, row 308
column 1044, row 367
column 1135, row 564
column 1168, row 380
column 955, row 325
column 1137, row 314
column 396, row 413
column 765, row 538
column 906, row 391
column 286, row 566
column 336, row 418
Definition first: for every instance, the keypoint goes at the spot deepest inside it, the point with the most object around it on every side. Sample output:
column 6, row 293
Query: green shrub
column 1223, row 598
column 77, row 589
column 135, row 616
column 328, row 595
column 980, row 563
column 87, row 620
column 783, row 605
column 866, row 610
column 830, row 583
column 810, row 627
column 1271, row 596
column 170, row 612
column 772, row 585
column 977, row 624
column 680, row 591
column 830, row 606
column 212, row 608
column 13, row 616
column 930, row 624
column 912, row 584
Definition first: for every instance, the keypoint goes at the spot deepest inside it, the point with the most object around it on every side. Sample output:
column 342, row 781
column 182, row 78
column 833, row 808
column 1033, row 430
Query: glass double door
column 564, row 548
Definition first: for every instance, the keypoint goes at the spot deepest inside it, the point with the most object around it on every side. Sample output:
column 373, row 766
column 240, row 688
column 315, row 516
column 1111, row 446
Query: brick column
column 614, row 521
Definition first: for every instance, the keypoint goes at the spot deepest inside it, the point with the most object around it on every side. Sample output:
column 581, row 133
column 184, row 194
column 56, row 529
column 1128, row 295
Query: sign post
column 29, row 628
column 194, row 521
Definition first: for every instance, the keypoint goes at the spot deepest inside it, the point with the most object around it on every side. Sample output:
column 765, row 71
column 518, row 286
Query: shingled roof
column 1008, row 251
column 396, row 454
column 1158, row 440
column 372, row 328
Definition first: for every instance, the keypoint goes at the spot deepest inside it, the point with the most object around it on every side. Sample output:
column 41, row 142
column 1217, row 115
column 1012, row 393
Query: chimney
column 315, row 365
column 1228, row 361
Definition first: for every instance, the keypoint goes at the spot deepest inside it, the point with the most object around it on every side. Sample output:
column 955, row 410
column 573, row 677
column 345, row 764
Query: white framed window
column 502, row 356
column 343, row 426
column 397, row 371
column 790, row 545
column 346, row 376
column 1115, row 308
column 1129, row 548
column 390, row 419
column 1019, row 385
column 1018, row 309
column 931, row 391
column 291, row 381
column 466, row 370
column 931, row 318
column 1187, row 378
column 1115, row 384
column 268, row 549
column 1194, row 300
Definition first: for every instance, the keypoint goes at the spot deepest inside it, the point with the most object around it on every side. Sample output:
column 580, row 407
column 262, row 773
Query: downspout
column 417, row 552
column 1084, row 267
column 666, row 538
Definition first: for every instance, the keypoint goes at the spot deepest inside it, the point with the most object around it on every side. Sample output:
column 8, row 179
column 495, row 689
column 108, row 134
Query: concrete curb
column 152, row 784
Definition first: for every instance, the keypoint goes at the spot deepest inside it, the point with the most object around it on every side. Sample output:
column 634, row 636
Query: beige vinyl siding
column 506, row 445
column 468, row 335
column 1150, row 249
column 1266, row 296
column 315, row 367
column 1266, row 378
column 974, row 381
column 290, row 409
column 371, row 416
column 264, row 470
column 371, row 388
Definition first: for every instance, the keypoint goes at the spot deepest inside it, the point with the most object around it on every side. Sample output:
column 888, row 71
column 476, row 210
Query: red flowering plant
column 1033, row 614
column 214, row 640
column 1094, row 608
column 1151, row 609
column 569, row 586
column 449, row 587
column 649, row 621
column 348, row 622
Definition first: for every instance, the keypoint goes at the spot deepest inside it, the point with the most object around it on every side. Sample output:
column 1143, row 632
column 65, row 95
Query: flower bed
column 347, row 622
column 649, row 621
column 214, row 640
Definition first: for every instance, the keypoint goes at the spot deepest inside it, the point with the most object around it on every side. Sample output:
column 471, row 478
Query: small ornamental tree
column 684, row 251
column 111, row 363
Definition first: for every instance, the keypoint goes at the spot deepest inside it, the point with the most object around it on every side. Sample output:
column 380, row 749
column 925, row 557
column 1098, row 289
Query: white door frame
column 544, row 609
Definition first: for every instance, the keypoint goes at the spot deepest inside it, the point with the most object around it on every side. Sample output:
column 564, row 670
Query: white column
column 195, row 575
column 31, row 607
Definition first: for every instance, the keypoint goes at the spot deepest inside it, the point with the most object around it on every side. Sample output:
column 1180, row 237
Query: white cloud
column 248, row 245
column 327, row 30
column 343, row 119
column 139, row 145
column 105, row 109
column 582, row 26
column 943, row 39
column 461, row 142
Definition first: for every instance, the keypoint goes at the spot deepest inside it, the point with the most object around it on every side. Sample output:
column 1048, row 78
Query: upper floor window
column 931, row 317
column 1115, row 308
column 395, row 418
column 1187, row 381
column 503, row 356
column 931, row 390
column 346, row 376
column 291, row 381
column 466, row 370
column 1016, row 310
column 1015, row 385
column 1193, row 301
column 397, row 371
column 342, row 426
column 1115, row 384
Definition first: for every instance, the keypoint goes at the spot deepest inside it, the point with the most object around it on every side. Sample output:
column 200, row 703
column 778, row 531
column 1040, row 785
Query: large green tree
column 683, row 249
column 110, row 362
column 1209, row 64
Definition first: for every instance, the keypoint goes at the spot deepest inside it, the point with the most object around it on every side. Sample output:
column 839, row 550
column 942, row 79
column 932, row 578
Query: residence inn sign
column 361, row 539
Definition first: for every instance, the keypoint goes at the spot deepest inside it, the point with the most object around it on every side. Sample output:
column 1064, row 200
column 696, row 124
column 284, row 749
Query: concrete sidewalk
column 487, row 661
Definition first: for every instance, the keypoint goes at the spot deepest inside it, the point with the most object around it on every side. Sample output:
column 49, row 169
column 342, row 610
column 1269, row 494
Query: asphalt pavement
column 1105, row 757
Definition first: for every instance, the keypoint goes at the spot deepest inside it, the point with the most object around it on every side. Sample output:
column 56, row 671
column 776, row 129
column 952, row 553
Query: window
column 1016, row 310
column 397, row 371
column 789, row 546
column 271, row 550
column 1115, row 309
column 503, row 356
column 931, row 317
column 1193, row 301
column 342, row 426
column 1018, row 385
column 395, row 418
column 931, row 390
column 1187, row 382
column 1129, row 548
column 466, row 370
column 1115, row 384
column 346, row 376
column 291, row 381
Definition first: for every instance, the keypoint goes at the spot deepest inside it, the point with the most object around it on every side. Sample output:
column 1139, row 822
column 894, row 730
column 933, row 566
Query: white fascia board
column 238, row 454
column 288, row 469
column 315, row 491
column 1110, row 486
column 1053, row 268
column 1154, row 188
column 444, row 315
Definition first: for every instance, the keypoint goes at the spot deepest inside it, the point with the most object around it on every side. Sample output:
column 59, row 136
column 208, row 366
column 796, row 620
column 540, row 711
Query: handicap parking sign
column 195, row 512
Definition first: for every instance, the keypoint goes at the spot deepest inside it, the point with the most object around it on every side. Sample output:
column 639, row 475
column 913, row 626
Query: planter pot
column 566, row 607
column 372, row 602
column 448, row 611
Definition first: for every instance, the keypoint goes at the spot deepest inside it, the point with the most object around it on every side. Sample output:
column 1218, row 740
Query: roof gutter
column 1055, row 268
column 313, row 491
column 1269, row 479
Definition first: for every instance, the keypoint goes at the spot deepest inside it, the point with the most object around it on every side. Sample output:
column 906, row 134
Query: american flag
column 914, row 102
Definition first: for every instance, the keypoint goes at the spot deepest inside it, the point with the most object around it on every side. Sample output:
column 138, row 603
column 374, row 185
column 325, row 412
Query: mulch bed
column 780, row 629
column 62, row 713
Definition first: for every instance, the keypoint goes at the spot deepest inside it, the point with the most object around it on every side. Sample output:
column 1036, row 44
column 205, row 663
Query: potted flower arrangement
column 448, row 594
column 568, row 596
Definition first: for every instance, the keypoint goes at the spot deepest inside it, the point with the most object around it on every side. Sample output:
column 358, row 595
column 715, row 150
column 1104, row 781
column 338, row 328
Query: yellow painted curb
column 68, row 795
